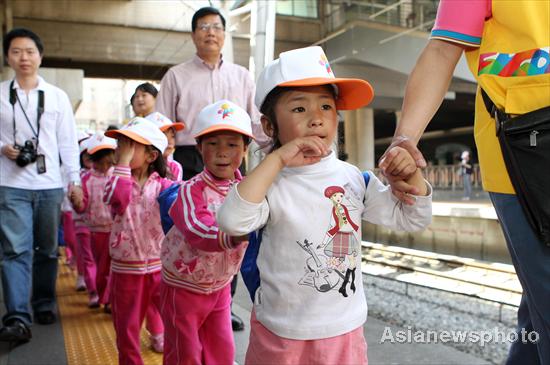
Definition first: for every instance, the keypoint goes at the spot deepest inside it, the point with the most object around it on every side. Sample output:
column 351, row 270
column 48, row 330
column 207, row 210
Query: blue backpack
column 249, row 268
column 166, row 198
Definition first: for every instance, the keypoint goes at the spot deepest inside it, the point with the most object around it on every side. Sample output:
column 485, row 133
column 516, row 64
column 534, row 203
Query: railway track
column 488, row 281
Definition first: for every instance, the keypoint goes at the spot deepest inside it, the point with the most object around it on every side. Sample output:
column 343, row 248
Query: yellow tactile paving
column 89, row 334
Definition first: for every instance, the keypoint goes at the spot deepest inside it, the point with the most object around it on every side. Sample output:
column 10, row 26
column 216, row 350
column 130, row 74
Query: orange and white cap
column 310, row 67
column 83, row 145
column 142, row 131
column 163, row 122
column 99, row 142
column 223, row 115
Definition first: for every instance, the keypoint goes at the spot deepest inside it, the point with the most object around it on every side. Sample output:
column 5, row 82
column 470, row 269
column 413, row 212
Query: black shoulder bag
column 525, row 144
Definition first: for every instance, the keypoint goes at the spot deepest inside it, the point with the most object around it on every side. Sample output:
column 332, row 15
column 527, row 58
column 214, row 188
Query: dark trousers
column 190, row 160
column 531, row 260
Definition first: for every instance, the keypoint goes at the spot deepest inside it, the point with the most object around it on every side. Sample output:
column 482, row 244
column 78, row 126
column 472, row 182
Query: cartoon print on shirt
column 337, row 260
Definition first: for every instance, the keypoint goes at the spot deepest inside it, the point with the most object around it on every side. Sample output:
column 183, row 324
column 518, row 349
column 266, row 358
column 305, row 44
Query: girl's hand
column 125, row 151
column 398, row 163
column 302, row 151
column 75, row 196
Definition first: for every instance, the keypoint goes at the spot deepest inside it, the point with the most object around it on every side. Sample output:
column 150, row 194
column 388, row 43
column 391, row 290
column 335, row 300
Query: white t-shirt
column 311, row 243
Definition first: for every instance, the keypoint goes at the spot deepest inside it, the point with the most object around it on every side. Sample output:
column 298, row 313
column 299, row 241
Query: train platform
column 85, row 337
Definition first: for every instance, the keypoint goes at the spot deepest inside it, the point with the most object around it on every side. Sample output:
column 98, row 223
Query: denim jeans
column 531, row 260
column 28, row 236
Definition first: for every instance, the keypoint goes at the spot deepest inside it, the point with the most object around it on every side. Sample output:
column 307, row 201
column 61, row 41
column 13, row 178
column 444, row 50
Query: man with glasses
column 37, row 130
column 206, row 78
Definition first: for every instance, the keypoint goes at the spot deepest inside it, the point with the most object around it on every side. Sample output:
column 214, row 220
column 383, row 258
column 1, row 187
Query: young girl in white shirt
column 309, row 206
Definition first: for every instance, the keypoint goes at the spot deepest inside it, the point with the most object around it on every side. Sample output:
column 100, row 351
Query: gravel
column 432, row 310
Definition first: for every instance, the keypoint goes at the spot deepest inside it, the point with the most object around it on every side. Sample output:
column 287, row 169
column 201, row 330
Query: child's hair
column 100, row 154
column 159, row 165
column 82, row 154
column 268, row 109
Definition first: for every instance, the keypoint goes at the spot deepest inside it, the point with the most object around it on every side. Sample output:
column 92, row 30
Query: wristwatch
column 76, row 183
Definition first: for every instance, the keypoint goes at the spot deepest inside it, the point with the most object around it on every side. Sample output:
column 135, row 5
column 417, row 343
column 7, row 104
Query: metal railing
column 417, row 14
column 445, row 177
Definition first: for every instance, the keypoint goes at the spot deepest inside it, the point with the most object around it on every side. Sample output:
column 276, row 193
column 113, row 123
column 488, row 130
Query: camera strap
column 14, row 98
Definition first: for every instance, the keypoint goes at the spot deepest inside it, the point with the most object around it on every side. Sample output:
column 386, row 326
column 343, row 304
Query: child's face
column 222, row 153
column 170, row 134
column 144, row 103
column 105, row 163
column 307, row 111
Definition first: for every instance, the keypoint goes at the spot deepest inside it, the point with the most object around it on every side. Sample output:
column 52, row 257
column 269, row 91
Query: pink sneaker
column 94, row 301
column 157, row 342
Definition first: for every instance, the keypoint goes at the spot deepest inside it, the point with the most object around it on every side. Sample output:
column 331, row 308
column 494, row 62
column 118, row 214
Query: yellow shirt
column 510, row 62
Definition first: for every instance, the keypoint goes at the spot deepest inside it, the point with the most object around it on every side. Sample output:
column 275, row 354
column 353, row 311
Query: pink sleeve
column 85, row 194
column 176, row 170
column 118, row 191
column 197, row 224
column 461, row 21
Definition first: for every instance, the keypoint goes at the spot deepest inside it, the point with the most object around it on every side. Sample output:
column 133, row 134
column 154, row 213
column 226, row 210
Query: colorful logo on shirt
column 528, row 63
column 225, row 110
column 324, row 62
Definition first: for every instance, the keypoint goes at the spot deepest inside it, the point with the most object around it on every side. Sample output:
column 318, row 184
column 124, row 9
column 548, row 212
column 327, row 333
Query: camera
column 27, row 154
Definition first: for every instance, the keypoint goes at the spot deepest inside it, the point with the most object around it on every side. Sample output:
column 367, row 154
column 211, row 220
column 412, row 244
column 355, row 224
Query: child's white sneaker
column 80, row 283
column 157, row 342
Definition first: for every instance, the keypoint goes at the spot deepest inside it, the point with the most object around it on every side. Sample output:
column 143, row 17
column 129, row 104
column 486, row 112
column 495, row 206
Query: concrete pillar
column 262, row 46
column 350, row 135
column 365, row 138
column 6, row 24
column 227, row 50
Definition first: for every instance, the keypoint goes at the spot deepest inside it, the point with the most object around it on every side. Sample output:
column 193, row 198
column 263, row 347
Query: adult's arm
column 426, row 87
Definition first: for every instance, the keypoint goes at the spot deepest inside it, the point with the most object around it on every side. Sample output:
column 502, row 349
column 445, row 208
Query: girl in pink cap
column 303, row 311
column 136, row 237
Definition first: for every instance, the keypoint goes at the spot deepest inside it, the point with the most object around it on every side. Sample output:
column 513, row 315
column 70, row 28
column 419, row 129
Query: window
column 301, row 8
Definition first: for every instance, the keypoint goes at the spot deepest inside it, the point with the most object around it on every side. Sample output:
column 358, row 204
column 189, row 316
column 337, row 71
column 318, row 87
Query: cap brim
column 177, row 126
column 99, row 148
column 218, row 128
column 352, row 93
column 133, row 136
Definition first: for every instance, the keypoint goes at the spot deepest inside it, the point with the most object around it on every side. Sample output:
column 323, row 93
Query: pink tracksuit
column 135, row 258
column 176, row 171
column 198, row 264
column 97, row 217
column 85, row 259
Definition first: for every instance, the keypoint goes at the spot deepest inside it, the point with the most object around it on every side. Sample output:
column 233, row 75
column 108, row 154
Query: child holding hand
column 199, row 260
column 136, row 237
column 310, row 306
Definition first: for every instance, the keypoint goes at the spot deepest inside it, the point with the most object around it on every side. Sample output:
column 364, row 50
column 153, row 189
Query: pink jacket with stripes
column 137, row 234
column 196, row 255
column 95, row 213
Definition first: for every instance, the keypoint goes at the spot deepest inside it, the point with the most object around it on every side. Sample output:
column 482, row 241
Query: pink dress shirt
column 190, row 86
